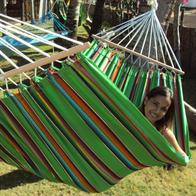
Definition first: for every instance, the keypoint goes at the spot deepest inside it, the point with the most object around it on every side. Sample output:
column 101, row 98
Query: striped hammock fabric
column 136, row 80
column 76, row 126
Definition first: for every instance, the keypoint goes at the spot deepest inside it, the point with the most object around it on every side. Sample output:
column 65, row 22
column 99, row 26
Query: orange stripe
column 98, row 121
column 83, row 72
column 52, row 140
column 115, row 73
column 94, row 57
column 105, row 64
column 83, row 147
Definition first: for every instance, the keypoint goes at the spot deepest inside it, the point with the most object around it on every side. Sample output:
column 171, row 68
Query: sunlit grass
column 151, row 181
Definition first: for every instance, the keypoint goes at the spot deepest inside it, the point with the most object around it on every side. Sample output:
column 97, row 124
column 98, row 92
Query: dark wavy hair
column 166, row 121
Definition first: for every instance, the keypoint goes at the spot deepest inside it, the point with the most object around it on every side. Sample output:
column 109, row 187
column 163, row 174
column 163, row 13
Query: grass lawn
column 151, row 181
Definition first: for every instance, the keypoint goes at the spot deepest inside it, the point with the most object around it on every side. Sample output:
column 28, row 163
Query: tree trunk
column 3, row 6
column 176, row 31
column 191, row 116
column 97, row 17
column 73, row 16
column 168, row 15
column 165, row 8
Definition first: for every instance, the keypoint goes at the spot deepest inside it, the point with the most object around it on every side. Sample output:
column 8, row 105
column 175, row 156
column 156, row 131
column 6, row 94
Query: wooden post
column 191, row 116
column 32, row 11
column 73, row 17
column 166, row 20
column 176, row 32
column 97, row 17
column 44, row 61
column 3, row 5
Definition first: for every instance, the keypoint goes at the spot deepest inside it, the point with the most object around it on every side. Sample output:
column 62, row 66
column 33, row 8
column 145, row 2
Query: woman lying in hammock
column 158, row 107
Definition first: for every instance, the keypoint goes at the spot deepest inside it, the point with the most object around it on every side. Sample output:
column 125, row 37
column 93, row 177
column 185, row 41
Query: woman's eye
column 155, row 103
column 164, row 109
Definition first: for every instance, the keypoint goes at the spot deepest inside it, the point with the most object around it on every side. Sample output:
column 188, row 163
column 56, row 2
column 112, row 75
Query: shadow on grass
column 16, row 178
column 193, row 139
column 192, row 135
column 193, row 148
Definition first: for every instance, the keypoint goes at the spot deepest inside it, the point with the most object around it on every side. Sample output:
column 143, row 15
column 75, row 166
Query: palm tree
column 176, row 30
column 97, row 17
column 166, row 18
column 73, row 16
column 3, row 6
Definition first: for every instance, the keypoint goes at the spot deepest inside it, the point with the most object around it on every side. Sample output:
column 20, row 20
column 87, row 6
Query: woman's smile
column 153, row 117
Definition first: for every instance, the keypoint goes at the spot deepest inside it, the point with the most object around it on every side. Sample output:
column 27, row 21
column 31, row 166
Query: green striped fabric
column 135, row 82
column 76, row 126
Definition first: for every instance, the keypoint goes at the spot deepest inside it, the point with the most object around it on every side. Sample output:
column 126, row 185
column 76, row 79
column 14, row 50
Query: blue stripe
column 37, row 129
column 91, row 124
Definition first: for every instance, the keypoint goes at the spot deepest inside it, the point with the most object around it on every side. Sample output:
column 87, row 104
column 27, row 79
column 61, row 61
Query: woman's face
column 155, row 108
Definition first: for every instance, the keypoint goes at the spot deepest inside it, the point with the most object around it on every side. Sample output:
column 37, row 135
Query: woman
column 158, row 107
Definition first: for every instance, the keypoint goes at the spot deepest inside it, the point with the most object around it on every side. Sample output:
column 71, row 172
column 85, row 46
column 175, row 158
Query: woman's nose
column 157, row 110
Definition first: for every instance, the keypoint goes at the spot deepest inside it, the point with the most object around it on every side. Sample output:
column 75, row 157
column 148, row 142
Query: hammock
column 29, row 34
column 110, row 140
column 76, row 126
column 134, row 82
